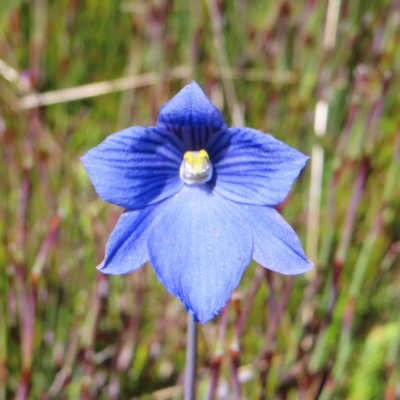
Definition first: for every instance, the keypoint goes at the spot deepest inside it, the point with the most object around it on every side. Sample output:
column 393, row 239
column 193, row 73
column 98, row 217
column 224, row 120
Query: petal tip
column 108, row 269
column 83, row 159
column 306, row 158
column 292, row 271
column 308, row 266
column 190, row 107
column 203, row 317
column 100, row 266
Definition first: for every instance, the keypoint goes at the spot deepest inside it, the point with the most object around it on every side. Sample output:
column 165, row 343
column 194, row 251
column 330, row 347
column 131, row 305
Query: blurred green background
column 323, row 76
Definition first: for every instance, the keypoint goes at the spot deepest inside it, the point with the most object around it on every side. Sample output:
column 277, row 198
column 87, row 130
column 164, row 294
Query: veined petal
column 191, row 116
column 136, row 167
column 199, row 249
column 252, row 167
column 126, row 248
column 275, row 244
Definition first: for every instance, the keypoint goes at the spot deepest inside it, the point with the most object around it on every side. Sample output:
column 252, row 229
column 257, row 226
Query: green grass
column 69, row 332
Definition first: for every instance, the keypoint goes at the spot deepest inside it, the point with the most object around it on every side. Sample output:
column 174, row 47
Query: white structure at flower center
column 196, row 167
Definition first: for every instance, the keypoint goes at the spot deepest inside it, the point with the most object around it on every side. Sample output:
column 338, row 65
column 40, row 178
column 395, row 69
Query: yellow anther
column 188, row 157
column 198, row 160
column 196, row 167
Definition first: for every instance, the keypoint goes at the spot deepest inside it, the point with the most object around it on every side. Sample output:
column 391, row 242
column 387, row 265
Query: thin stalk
column 276, row 310
column 235, row 347
column 249, row 302
column 216, row 363
column 3, row 347
column 223, row 61
column 191, row 352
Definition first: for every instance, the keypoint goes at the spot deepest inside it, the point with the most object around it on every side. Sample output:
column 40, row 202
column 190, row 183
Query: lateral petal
column 275, row 244
column 136, row 167
column 252, row 167
column 126, row 249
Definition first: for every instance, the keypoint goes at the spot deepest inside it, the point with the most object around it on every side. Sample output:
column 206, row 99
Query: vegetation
column 323, row 76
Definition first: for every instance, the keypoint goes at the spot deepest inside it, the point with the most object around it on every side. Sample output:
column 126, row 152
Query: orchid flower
column 198, row 199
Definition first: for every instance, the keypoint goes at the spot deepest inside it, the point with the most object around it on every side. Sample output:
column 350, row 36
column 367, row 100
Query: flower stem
column 191, row 350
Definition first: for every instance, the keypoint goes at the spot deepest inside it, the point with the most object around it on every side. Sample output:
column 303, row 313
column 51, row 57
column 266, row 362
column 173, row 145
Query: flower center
column 196, row 167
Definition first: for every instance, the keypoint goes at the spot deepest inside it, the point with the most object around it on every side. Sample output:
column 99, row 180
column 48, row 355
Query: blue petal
column 191, row 116
column 199, row 249
column 252, row 167
column 126, row 248
column 136, row 167
column 275, row 244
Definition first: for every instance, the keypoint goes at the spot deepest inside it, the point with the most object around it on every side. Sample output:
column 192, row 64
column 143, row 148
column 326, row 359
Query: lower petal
column 126, row 248
column 199, row 249
column 275, row 244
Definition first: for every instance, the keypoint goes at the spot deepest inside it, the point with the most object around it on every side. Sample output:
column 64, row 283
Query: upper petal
column 275, row 244
column 126, row 248
column 253, row 167
column 136, row 167
column 191, row 116
column 199, row 249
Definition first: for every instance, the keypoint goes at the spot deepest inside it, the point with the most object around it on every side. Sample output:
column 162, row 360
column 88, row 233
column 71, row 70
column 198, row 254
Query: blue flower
column 198, row 198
